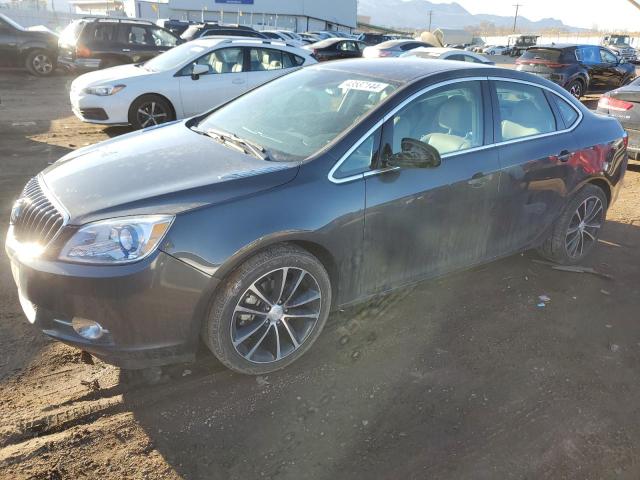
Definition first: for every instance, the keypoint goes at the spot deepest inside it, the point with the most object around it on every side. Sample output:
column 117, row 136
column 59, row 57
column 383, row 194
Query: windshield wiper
column 247, row 146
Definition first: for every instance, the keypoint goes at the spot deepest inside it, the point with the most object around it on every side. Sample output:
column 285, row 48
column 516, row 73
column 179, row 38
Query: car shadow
column 467, row 376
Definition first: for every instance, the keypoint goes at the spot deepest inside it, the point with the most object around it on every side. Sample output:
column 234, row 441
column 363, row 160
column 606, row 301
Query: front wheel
column 40, row 63
column 576, row 232
column 149, row 110
column 269, row 311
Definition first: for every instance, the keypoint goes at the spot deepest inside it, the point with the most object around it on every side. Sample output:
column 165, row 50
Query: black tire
column 576, row 88
column 41, row 63
column 152, row 105
column 222, row 328
column 558, row 247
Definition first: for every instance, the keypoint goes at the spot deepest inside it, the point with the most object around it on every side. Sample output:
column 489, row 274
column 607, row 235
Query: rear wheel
column 40, row 63
column 149, row 110
column 577, row 230
column 269, row 311
column 576, row 88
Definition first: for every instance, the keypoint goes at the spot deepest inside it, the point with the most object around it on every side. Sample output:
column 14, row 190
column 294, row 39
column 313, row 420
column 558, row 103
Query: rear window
column 549, row 54
column 568, row 113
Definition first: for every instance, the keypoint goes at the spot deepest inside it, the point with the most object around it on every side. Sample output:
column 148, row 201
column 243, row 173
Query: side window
column 469, row 58
column 450, row 119
column 409, row 46
column 137, row 35
column 348, row 47
column 225, row 60
column 162, row 38
column 289, row 60
column 360, row 160
column 607, row 57
column 568, row 113
column 588, row 55
column 104, row 32
column 264, row 59
column 524, row 111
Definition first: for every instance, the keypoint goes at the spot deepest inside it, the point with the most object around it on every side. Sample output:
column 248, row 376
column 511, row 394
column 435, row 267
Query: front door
column 225, row 80
column 424, row 222
column 8, row 45
column 611, row 75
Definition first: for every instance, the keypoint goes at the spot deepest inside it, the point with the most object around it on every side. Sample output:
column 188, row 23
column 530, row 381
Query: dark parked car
column 245, row 226
column 214, row 29
column 35, row 50
column 336, row 49
column 92, row 43
column 577, row 68
column 373, row 38
column 624, row 104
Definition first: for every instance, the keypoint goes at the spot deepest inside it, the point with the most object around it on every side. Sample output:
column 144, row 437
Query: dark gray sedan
column 246, row 226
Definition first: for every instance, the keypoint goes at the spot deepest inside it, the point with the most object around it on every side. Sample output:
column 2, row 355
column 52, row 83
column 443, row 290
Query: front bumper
column 79, row 64
column 106, row 110
column 151, row 309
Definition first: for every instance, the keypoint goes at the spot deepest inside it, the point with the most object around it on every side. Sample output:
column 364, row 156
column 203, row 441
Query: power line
column 515, row 19
column 430, row 16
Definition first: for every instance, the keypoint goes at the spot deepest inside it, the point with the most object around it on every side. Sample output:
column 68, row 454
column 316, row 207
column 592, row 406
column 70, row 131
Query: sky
column 610, row 14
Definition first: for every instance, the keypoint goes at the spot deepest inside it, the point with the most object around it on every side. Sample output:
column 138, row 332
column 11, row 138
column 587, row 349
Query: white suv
column 185, row 81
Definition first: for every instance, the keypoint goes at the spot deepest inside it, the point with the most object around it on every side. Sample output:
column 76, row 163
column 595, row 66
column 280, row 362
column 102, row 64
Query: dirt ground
column 459, row 378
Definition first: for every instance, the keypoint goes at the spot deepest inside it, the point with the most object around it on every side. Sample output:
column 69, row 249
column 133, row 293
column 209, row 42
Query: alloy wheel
column 576, row 90
column 275, row 315
column 584, row 226
column 151, row 113
column 42, row 64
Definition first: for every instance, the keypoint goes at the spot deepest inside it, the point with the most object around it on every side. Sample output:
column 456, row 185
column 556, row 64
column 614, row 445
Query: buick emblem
column 17, row 209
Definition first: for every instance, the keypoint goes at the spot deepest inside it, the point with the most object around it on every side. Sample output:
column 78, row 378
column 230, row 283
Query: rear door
column 536, row 155
column 225, row 80
column 136, row 41
column 8, row 45
column 423, row 222
column 589, row 57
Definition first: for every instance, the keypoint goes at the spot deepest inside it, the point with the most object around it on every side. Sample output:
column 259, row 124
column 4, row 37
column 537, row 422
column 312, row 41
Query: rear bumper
column 151, row 310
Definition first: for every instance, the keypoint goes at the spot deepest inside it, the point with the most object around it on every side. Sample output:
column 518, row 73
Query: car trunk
column 623, row 104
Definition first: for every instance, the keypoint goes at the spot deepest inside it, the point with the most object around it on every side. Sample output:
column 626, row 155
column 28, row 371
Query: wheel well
column 173, row 109
column 327, row 260
column 604, row 186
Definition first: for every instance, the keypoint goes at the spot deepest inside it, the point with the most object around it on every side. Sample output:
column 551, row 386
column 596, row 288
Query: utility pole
column 515, row 19
column 430, row 16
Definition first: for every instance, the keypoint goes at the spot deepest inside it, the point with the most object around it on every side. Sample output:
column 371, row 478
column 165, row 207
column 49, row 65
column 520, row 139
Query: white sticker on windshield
column 375, row 87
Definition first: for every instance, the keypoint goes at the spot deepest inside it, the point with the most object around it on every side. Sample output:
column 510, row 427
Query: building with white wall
column 296, row 15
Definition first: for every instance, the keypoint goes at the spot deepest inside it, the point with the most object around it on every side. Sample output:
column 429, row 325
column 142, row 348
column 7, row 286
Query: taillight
column 385, row 53
column 82, row 51
column 614, row 104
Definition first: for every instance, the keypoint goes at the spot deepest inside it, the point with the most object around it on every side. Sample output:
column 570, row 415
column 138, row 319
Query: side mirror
column 415, row 154
column 198, row 70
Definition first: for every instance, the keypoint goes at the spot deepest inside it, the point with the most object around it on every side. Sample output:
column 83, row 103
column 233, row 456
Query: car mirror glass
column 198, row 70
column 415, row 154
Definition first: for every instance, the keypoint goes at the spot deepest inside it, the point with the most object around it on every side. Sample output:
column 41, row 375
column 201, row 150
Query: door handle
column 479, row 179
column 237, row 81
column 564, row 156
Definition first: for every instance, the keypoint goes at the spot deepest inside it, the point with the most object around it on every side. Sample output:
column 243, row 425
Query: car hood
column 165, row 169
column 114, row 74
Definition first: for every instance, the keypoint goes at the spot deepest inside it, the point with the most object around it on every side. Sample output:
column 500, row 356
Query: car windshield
column 297, row 115
column 620, row 40
column 174, row 58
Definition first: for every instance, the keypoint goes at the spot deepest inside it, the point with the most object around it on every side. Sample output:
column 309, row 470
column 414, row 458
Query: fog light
column 87, row 328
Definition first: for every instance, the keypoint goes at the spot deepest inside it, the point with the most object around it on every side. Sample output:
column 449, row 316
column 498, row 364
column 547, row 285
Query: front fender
column 25, row 48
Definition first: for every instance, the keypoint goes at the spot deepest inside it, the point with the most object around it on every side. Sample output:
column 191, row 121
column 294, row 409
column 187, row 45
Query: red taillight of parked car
column 82, row 51
column 614, row 104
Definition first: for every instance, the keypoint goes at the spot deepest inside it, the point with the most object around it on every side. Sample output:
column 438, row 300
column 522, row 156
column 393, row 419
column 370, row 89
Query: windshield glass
column 174, row 58
column 297, row 115
column 620, row 40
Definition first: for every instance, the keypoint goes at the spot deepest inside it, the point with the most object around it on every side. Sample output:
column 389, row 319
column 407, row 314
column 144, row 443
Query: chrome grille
column 37, row 220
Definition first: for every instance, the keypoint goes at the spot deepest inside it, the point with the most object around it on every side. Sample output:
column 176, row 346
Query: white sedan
column 185, row 81
column 445, row 53
column 496, row 50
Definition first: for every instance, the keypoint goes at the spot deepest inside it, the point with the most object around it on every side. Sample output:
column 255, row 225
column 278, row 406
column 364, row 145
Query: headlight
column 119, row 240
column 104, row 90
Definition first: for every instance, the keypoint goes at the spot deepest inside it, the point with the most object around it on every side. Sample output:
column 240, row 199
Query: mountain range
column 415, row 14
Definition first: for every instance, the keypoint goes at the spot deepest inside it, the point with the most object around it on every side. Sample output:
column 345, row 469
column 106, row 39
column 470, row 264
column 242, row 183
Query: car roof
column 401, row 70
column 213, row 40
column 561, row 46
column 395, row 43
